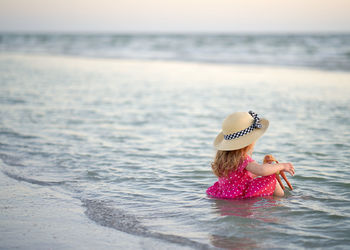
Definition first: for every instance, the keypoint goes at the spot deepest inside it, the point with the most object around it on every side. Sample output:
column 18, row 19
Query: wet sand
column 37, row 217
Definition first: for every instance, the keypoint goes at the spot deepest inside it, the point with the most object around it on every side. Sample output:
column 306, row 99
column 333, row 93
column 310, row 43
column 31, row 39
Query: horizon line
column 161, row 32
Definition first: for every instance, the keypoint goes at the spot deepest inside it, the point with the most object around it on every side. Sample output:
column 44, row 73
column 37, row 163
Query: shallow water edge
column 125, row 146
column 37, row 217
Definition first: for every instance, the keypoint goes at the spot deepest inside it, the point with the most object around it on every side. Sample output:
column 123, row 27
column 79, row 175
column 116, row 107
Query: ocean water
column 132, row 140
column 324, row 51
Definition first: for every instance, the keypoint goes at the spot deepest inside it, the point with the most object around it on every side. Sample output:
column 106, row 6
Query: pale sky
column 175, row 15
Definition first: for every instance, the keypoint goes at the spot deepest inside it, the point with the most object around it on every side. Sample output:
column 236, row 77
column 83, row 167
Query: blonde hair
column 226, row 162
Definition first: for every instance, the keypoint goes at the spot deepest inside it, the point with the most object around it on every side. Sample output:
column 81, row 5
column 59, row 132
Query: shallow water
column 133, row 141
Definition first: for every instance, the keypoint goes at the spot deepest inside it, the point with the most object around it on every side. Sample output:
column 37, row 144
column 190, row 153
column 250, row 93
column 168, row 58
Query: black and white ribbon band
column 256, row 124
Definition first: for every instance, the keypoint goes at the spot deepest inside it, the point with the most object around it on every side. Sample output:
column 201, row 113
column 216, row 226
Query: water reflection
column 255, row 208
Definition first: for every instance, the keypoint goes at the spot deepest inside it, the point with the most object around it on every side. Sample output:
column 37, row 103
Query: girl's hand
column 288, row 167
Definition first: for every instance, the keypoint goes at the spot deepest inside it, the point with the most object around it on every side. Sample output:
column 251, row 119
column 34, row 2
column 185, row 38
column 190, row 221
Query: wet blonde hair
column 226, row 162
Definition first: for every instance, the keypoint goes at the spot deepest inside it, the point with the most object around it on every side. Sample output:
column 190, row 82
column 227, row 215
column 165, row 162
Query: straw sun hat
column 239, row 130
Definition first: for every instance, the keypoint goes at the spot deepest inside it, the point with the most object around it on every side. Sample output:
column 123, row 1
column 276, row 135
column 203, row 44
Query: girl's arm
column 269, row 169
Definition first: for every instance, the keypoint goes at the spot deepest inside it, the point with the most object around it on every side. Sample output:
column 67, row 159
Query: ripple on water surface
column 133, row 141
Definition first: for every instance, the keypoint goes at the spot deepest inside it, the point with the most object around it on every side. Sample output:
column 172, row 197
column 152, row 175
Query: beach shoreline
column 37, row 217
column 101, row 59
column 281, row 76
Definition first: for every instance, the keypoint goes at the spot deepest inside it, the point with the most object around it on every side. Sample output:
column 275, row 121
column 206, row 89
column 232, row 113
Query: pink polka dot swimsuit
column 241, row 184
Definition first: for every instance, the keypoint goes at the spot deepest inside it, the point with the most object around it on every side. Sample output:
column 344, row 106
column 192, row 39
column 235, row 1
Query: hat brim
column 227, row 145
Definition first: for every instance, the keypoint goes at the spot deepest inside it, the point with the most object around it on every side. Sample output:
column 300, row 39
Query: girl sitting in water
column 237, row 172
